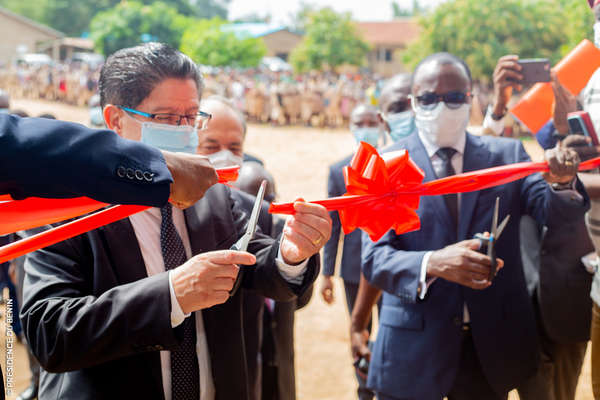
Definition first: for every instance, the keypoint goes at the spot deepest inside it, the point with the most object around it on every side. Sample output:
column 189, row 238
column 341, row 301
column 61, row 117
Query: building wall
column 386, row 60
column 281, row 43
column 14, row 33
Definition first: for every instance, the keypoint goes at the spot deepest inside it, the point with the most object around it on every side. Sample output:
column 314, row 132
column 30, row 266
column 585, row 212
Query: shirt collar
column 431, row 148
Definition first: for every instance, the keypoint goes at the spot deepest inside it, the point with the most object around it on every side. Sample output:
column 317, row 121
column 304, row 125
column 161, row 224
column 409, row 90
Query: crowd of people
column 150, row 303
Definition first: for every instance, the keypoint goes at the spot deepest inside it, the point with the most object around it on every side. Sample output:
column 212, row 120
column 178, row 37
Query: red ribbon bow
column 383, row 192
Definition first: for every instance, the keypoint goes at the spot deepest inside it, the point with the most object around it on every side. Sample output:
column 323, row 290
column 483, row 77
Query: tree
column 399, row 11
column 300, row 18
column 331, row 40
column 206, row 42
column 131, row 22
column 254, row 17
column 481, row 32
column 73, row 17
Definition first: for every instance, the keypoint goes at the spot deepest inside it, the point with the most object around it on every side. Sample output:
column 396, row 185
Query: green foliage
column 73, row 16
column 331, row 40
column 131, row 22
column 399, row 11
column 480, row 32
column 207, row 43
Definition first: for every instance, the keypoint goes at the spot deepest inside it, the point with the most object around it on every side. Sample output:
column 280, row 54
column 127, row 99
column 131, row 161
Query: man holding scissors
column 449, row 325
column 144, row 307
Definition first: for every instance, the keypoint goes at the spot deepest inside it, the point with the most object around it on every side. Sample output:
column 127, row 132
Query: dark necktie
column 443, row 170
column 185, row 376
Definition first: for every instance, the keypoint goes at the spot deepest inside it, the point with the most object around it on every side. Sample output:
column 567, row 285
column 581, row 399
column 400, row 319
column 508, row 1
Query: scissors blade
column 502, row 226
column 242, row 244
column 494, row 229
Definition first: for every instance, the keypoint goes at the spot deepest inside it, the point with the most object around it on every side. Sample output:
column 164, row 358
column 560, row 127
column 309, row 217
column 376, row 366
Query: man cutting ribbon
column 445, row 328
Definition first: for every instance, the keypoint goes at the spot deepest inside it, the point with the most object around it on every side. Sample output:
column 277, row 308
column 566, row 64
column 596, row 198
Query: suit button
column 457, row 321
column 149, row 176
column 130, row 173
column 121, row 172
column 139, row 175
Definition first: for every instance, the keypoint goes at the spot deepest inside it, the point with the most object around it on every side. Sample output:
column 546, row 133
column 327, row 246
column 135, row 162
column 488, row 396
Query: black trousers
column 471, row 383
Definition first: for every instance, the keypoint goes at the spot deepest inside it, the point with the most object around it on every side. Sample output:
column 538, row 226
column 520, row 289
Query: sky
column 280, row 10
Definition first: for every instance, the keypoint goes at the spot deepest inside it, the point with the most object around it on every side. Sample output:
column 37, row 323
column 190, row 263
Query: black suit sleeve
column 47, row 158
column 331, row 247
column 68, row 327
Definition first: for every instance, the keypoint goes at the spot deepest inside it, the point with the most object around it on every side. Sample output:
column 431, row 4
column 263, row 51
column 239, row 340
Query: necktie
column 185, row 375
column 443, row 170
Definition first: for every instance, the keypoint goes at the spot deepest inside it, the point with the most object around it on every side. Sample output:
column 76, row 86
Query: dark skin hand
column 366, row 298
column 463, row 264
column 506, row 78
column 564, row 103
column 581, row 144
column 563, row 162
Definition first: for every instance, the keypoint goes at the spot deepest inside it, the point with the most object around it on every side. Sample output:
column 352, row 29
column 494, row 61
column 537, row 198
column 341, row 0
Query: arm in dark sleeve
column 331, row 247
column 68, row 327
column 56, row 159
column 545, row 136
column 547, row 206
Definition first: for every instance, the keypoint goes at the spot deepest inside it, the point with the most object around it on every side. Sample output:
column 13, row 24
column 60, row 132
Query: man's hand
column 327, row 289
column 305, row 232
column 462, row 264
column 564, row 103
column 506, row 78
column 192, row 176
column 563, row 162
column 206, row 279
column 582, row 145
column 359, row 345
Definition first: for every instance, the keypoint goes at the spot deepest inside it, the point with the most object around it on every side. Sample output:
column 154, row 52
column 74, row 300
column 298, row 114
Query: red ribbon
column 17, row 215
column 383, row 192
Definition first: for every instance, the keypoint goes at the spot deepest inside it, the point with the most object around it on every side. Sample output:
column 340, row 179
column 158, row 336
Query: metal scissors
column 242, row 243
column 487, row 243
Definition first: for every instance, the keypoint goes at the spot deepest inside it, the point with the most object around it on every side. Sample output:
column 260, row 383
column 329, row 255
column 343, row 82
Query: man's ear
column 113, row 117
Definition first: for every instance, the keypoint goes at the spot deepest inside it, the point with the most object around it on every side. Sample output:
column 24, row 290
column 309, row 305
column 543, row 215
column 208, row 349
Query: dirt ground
column 299, row 159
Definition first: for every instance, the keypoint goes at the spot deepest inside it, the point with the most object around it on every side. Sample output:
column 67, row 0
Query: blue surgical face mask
column 401, row 124
column 182, row 138
column 225, row 158
column 96, row 117
column 367, row 134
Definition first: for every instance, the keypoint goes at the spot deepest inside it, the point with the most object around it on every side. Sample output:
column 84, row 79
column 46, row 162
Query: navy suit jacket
column 350, row 267
column 418, row 347
column 48, row 158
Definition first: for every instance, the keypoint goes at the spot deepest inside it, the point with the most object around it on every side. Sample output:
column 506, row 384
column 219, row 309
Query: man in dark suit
column 445, row 329
column 46, row 158
column 118, row 313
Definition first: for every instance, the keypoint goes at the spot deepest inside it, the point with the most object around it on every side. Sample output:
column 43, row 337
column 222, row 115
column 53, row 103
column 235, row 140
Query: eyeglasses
column 428, row 100
column 398, row 106
column 199, row 120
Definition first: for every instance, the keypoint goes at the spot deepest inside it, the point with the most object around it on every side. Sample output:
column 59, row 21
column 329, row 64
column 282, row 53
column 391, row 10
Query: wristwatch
column 497, row 117
column 563, row 186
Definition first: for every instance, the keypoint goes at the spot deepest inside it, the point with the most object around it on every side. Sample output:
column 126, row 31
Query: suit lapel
column 476, row 157
column 126, row 259
column 419, row 155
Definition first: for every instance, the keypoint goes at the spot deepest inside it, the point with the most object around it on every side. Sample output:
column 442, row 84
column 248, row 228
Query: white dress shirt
column 147, row 231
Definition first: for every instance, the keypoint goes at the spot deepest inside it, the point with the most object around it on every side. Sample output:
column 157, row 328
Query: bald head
column 251, row 176
column 364, row 115
column 394, row 94
column 226, row 128
column 441, row 73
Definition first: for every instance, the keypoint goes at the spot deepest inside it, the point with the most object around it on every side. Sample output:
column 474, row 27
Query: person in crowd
column 395, row 110
column 141, row 308
column 223, row 143
column 446, row 327
column 556, row 279
column 277, row 350
column 365, row 125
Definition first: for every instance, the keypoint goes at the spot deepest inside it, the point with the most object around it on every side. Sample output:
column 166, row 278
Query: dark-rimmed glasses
column 428, row 100
column 199, row 120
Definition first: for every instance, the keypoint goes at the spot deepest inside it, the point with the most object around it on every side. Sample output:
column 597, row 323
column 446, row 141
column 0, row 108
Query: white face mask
column 225, row 158
column 443, row 126
column 597, row 34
